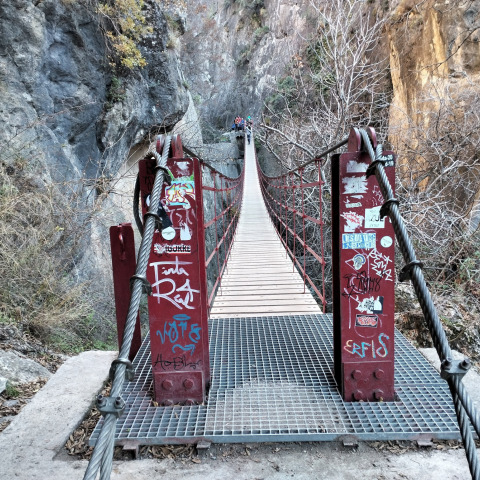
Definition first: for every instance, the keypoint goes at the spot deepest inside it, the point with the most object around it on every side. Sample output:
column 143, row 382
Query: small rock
column 19, row 370
column 3, row 384
column 10, row 403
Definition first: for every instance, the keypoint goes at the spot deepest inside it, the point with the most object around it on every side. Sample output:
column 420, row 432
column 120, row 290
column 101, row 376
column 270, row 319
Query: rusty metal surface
column 272, row 380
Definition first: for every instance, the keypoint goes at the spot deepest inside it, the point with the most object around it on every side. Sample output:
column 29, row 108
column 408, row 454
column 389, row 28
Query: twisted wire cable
column 467, row 437
column 103, row 453
column 463, row 404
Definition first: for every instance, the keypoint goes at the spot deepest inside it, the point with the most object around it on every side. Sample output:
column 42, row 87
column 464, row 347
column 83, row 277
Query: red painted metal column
column 176, row 270
column 363, row 278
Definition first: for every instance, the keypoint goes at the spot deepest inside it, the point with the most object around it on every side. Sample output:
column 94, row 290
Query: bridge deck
column 260, row 278
column 272, row 380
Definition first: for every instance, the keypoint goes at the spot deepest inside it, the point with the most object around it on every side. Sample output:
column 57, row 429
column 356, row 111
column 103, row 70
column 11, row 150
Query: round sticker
column 386, row 242
column 168, row 233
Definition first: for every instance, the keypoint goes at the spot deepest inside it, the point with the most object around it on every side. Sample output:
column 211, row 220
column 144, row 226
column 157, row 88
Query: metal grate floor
column 272, row 380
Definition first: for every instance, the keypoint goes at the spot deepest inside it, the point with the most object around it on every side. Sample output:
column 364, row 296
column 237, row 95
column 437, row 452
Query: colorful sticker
column 359, row 261
column 354, row 221
column 359, row 240
column 366, row 321
column 178, row 192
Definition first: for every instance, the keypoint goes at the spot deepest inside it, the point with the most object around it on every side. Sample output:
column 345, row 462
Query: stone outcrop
column 17, row 369
column 235, row 52
column 434, row 52
column 60, row 108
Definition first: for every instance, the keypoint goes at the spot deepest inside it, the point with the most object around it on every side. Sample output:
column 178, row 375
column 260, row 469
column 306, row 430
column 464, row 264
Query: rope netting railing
column 222, row 197
column 294, row 202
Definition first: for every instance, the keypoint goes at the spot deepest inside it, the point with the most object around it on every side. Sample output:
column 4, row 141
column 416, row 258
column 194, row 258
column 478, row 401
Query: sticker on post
column 358, row 261
column 355, row 185
column 358, row 241
column 370, row 305
column 372, row 218
column 366, row 321
column 356, row 167
column 354, row 221
column 386, row 242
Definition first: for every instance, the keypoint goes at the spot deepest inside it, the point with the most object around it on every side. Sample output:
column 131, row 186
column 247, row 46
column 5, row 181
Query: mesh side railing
column 294, row 202
column 222, row 197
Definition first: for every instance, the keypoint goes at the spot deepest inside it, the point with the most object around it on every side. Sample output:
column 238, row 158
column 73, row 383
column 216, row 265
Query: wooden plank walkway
column 260, row 279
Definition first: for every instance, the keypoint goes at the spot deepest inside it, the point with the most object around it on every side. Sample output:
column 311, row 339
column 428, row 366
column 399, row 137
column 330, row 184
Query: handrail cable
column 452, row 371
column 112, row 407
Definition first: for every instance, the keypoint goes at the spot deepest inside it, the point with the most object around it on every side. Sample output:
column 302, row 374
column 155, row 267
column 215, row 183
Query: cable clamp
column 385, row 208
column 147, row 287
column 166, row 174
column 158, row 220
column 454, row 368
column 107, row 405
column 130, row 371
column 385, row 160
column 405, row 272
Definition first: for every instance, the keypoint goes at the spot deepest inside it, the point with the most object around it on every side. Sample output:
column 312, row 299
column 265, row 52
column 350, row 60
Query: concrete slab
column 32, row 445
column 33, row 439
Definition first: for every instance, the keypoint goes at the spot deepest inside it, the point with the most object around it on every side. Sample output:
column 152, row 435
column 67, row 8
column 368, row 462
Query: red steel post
column 176, row 270
column 364, row 278
column 123, row 266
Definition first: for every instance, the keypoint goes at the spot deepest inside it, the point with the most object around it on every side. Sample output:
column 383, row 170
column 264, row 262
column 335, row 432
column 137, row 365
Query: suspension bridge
column 240, row 347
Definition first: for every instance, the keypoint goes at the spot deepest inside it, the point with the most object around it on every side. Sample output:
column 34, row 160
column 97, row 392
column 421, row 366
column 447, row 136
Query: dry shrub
column 41, row 231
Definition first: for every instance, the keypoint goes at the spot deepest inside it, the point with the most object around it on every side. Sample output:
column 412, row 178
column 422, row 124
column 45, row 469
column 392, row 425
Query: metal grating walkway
column 272, row 380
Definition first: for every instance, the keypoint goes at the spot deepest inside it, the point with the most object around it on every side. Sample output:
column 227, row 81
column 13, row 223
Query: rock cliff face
column 60, row 107
column 433, row 46
column 234, row 52
column 435, row 69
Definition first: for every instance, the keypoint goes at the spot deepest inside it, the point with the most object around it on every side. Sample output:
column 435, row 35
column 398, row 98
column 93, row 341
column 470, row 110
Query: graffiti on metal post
column 180, row 297
column 368, row 349
column 183, row 336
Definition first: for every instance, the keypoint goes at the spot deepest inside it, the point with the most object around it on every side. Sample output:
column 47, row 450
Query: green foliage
column 259, row 33
column 317, row 59
column 116, row 92
column 284, row 96
column 125, row 28
column 11, row 391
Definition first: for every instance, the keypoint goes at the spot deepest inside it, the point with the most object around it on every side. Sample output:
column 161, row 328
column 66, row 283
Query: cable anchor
column 456, row 368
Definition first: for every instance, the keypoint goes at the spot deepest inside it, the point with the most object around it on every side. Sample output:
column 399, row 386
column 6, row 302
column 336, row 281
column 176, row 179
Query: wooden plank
column 261, row 302
column 267, row 309
column 297, row 297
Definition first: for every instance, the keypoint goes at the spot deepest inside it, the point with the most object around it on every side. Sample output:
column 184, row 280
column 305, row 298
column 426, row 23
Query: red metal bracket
column 123, row 265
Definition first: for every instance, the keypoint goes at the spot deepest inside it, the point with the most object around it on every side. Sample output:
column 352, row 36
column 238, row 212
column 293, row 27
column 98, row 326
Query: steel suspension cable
column 451, row 372
column 102, row 457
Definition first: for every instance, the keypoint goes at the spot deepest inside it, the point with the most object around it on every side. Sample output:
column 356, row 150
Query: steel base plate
column 272, row 380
